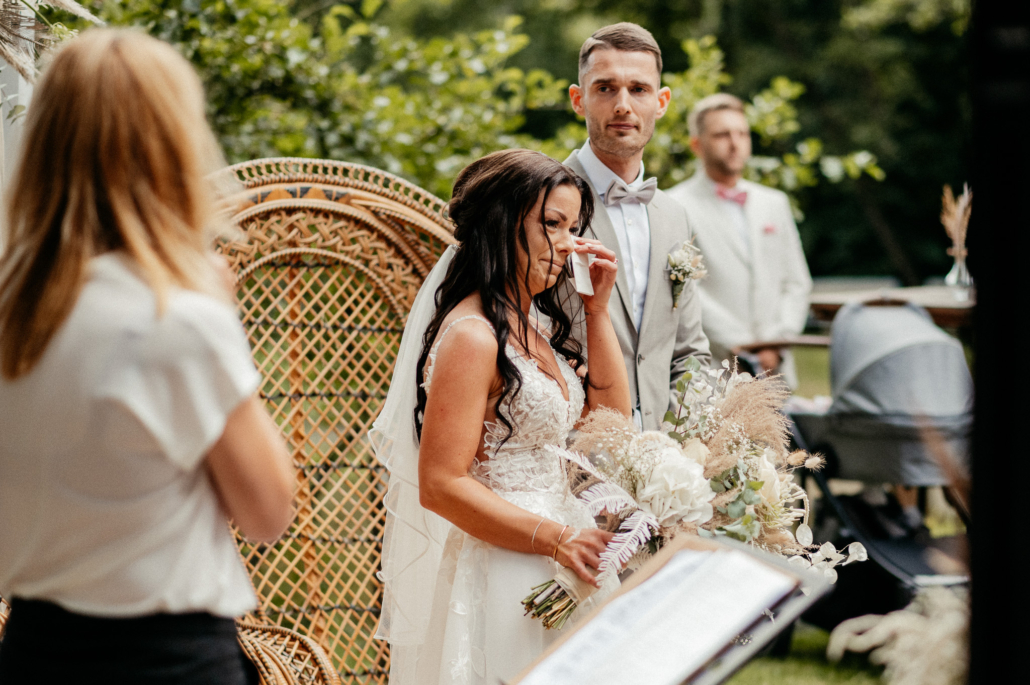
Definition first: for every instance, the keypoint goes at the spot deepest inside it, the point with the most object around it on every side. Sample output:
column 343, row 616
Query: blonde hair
column 117, row 156
column 712, row 103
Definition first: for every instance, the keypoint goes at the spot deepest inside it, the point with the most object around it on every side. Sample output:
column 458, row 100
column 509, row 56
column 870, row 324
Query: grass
column 813, row 367
column 807, row 665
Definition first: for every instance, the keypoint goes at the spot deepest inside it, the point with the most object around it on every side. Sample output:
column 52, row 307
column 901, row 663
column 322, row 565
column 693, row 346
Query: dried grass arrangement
column 955, row 213
column 926, row 643
column 25, row 33
column 722, row 466
column 955, row 217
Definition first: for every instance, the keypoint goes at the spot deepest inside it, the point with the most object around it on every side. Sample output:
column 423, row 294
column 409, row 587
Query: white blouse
column 105, row 505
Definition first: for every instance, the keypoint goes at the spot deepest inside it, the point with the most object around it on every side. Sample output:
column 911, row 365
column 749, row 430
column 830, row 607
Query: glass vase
column 959, row 279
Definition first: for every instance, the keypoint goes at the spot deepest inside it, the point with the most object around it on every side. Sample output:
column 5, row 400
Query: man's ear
column 695, row 146
column 664, row 97
column 576, row 97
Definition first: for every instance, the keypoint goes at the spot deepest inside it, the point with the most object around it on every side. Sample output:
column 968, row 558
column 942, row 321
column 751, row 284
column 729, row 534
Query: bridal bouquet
column 720, row 466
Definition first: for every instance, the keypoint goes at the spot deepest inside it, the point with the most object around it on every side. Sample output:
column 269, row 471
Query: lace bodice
column 541, row 417
column 478, row 628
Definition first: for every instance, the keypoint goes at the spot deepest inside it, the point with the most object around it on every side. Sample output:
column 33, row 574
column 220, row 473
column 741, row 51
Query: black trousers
column 46, row 644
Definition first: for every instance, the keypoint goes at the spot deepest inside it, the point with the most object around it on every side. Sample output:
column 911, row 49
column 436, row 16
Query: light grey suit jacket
column 752, row 292
column 656, row 355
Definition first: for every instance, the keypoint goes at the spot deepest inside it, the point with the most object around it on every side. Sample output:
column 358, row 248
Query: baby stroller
column 901, row 414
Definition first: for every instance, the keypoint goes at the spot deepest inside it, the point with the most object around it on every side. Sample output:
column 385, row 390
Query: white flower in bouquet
column 676, row 490
column 650, row 487
column 770, row 477
column 696, row 450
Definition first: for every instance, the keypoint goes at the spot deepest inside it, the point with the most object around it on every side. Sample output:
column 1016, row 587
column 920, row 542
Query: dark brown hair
column 623, row 36
column 492, row 198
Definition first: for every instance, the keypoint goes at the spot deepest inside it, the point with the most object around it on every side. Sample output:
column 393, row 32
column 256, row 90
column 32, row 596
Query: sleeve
column 184, row 376
column 797, row 283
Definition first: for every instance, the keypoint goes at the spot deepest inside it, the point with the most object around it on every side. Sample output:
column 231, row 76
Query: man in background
column 621, row 97
column 758, row 282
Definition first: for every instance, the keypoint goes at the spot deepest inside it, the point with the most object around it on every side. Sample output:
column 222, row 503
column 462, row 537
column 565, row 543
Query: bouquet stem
column 555, row 601
column 551, row 604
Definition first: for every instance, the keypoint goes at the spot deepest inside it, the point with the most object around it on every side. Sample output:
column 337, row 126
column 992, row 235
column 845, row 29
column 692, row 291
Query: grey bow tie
column 618, row 192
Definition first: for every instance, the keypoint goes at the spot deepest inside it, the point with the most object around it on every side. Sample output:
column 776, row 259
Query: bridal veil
column 414, row 537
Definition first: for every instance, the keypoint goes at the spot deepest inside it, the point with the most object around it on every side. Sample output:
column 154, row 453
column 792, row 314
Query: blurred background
column 860, row 112
column 860, row 108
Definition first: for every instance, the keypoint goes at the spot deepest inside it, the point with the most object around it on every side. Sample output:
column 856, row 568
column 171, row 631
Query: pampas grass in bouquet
column 721, row 466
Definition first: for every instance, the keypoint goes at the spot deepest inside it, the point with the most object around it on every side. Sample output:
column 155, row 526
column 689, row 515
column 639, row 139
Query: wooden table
column 940, row 301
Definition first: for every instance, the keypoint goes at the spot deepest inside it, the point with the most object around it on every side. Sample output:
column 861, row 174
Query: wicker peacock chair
column 331, row 258
column 328, row 263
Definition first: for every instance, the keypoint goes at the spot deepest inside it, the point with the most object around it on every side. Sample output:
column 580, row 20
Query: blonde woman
column 131, row 428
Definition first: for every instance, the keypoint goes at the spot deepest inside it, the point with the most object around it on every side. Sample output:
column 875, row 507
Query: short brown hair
column 712, row 103
column 623, row 36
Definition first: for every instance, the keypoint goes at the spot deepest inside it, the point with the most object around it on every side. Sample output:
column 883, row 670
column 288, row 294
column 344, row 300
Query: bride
column 481, row 404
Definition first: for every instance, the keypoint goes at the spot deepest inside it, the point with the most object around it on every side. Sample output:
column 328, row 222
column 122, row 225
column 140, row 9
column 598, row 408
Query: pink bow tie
column 738, row 196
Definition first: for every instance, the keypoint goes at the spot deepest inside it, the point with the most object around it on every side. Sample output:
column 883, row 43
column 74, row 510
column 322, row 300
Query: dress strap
column 431, row 362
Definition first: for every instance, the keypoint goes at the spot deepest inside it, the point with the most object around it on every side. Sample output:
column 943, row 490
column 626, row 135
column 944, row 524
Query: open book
column 693, row 603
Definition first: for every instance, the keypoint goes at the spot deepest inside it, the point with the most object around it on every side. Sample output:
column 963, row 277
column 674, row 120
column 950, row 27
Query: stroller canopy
column 894, row 364
column 902, row 397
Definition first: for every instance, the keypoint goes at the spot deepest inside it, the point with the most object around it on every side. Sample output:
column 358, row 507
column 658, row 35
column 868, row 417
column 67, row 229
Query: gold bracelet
column 532, row 542
column 554, row 556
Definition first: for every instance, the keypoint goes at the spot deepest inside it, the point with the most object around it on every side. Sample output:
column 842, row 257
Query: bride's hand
column 582, row 552
column 603, row 271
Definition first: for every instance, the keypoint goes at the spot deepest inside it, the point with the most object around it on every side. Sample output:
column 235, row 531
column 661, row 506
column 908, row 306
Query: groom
column 621, row 97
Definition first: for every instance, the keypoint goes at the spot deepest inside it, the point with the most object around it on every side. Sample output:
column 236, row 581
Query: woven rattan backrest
column 332, row 257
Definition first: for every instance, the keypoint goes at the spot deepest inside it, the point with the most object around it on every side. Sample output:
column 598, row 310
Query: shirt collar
column 712, row 185
column 599, row 175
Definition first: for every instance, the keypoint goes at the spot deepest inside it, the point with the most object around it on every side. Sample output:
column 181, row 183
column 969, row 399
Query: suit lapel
column 603, row 230
column 752, row 212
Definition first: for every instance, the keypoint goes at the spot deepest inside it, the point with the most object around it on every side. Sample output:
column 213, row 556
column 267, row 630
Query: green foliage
column 888, row 82
column 920, row 15
column 774, row 120
column 743, row 526
column 427, row 108
column 350, row 88
column 265, row 83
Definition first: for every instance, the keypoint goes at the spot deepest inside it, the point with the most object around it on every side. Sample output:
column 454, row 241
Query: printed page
column 670, row 626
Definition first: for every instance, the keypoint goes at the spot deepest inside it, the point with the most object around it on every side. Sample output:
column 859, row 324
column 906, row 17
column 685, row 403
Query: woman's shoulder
column 119, row 295
column 467, row 328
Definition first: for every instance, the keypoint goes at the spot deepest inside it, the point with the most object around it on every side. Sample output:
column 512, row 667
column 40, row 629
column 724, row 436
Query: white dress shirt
column 629, row 218
column 736, row 213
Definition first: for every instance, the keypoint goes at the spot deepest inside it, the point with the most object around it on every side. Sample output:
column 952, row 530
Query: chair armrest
column 285, row 657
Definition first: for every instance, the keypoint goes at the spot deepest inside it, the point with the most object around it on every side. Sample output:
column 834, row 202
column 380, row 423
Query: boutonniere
column 685, row 264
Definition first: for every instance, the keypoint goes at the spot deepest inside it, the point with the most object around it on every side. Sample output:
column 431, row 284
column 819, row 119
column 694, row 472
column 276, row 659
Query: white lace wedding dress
column 477, row 633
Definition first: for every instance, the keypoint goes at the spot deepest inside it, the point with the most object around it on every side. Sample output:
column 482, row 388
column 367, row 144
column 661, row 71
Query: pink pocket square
column 769, row 229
